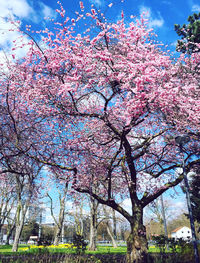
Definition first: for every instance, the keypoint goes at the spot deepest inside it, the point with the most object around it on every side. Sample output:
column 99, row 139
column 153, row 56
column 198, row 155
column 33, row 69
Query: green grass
column 7, row 249
column 108, row 250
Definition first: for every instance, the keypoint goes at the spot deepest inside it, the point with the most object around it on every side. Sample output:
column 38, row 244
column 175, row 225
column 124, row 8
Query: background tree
column 30, row 228
column 195, row 197
column 7, row 198
column 48, row 234
column 79, row 216
column 25, row 178
column 154, row 215
column 11, row 223
column 108, row 224
column 190, row 35
column 194, row 190
column 189, row 43
column 62, row 188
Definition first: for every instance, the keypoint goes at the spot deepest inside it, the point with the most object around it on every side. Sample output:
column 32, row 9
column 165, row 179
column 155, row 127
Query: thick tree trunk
column 137, row 246
column 137, row 241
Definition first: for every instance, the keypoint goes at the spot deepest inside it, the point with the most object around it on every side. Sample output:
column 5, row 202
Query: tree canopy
column 190, row 35
column 110, row 103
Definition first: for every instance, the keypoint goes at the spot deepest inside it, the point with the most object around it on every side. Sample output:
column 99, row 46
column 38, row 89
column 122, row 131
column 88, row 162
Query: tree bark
column 57, row 236
column 108, row 228
column 93, row 235
column 114, row 224
column 20, row 213
column 60, row 222
column 93, row 224
column 18, row 232
column 137, row 241
column 19, row 224
column 9, row 233
column 110, row 234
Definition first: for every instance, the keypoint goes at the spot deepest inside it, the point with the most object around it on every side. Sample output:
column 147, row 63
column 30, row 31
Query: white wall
column 184, row 232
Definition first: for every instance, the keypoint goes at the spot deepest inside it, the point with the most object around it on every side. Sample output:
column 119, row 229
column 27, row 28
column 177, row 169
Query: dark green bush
column 79, row 244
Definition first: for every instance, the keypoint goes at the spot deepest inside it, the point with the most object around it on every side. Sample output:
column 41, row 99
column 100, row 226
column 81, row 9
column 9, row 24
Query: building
column 183, row 232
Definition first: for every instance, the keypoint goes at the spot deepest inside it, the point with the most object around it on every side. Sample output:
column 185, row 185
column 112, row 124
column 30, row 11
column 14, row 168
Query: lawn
column 66, row 248
column 65, row 252
column 7, row 249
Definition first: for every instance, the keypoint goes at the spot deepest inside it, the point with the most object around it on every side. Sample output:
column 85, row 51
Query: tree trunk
column 60, row 222
column 20, row 217
column 93, row 224
column 8, row 238
column 9, row 233
column 57, row 236
column 93, row 233
column 18, row 232
column 114, row 224
column 110, row 234
column 137, row 241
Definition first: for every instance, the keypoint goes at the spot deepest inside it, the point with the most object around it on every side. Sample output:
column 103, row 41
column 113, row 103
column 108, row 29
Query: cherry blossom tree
column 20, row 135
column 116, row 102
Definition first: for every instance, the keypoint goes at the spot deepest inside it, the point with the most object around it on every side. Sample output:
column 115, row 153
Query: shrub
column 79, row 244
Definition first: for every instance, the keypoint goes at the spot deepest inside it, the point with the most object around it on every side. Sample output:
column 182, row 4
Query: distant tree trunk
column 93, row 224
column 59, row 223
column 22, row 206
column 114, row 224
column 108, row 228
column 5, row 208
column 9, row 232
column 21, row 212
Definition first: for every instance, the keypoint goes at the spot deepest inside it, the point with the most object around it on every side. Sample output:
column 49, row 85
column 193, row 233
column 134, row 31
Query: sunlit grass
column 68, row 249
column 62, row 248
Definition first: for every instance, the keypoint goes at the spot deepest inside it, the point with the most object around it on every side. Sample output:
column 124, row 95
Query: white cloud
column 179, row 207
column 19, row 8
column 47, row 11
column 154, row 21
column 174, row 44
column 166, row 2
column 196, row 8
column 97, row 2
column 12, row 10
column 146, row 11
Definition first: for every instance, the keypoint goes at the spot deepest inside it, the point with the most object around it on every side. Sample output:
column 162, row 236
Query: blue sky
column 162, row 14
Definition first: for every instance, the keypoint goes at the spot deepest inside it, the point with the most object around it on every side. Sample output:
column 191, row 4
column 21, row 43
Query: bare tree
column 61, row 216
